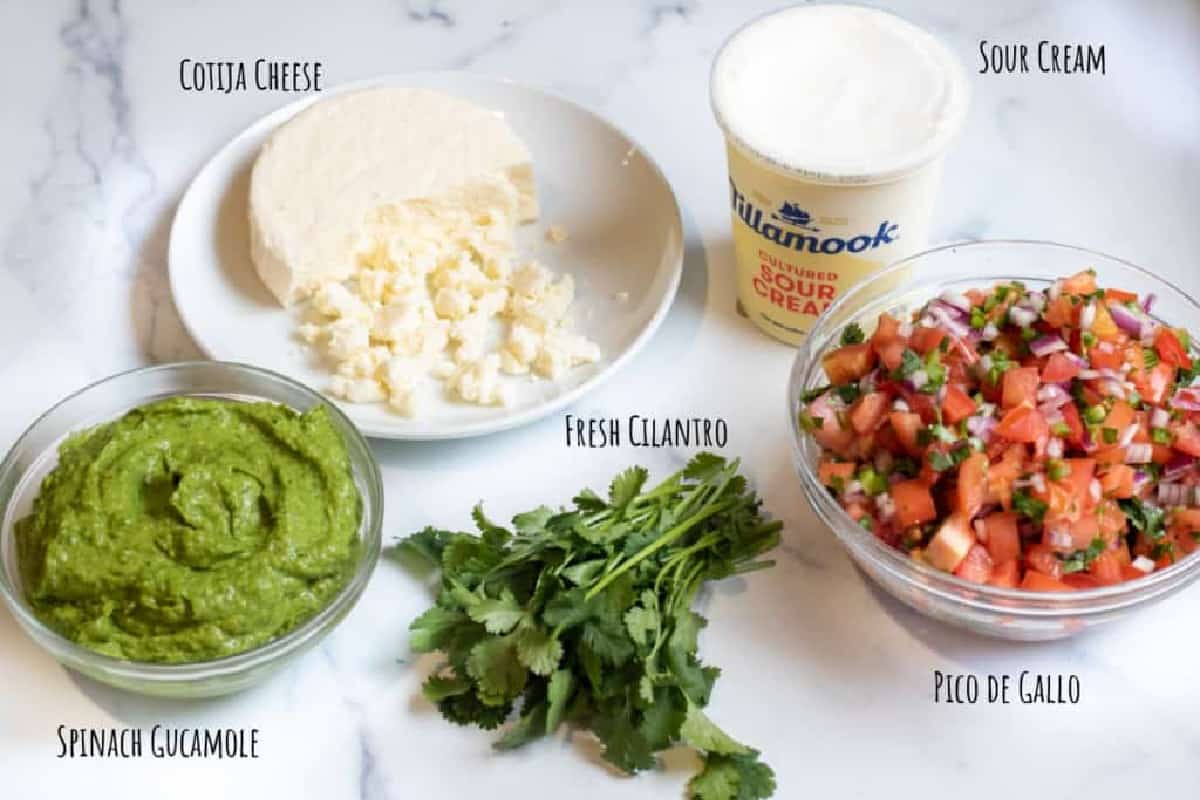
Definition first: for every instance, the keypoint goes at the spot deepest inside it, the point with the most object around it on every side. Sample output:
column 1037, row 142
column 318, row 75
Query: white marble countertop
column 829, row 678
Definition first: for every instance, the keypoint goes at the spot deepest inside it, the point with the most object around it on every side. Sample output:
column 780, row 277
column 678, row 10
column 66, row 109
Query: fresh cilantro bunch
column 583, row 616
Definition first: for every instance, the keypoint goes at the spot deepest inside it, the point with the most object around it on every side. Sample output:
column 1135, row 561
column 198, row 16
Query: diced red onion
column 1128, row 434
column 981, row 427
column 1054, row 447
column 918, row 379
column 956, row 299
column 899, row 404
column 990, row 332
column 906, row 328
column 1021, row 316
column 1055, row 290
column 1178, row 494
column 1094, row 489
column 1087, row 317
column 1159, row 418
column 940, row 313
column 1178, row 466
column 1077, row 360
column 987, row 409
column 1126, row 319
column 1035, row 300
column 1088, row 374
column 1052, row 413
column 1111, row 387
column 1053, row 395
column 980, row 530
column 1140, row 453
column 1143, row 564
column 1148, row 302
column 1059, row 538
column 1140, row 477
column 1186, row 399
column 1045, row 345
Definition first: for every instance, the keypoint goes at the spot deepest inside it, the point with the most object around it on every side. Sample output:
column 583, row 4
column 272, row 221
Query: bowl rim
column 248, row 660
column 936, row 581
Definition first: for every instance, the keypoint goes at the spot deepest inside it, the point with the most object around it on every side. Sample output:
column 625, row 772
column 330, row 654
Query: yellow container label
column 799, row 244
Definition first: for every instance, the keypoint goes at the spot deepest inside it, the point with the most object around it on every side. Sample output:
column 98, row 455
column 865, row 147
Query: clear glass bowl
column 903, row 287
column 33, row 454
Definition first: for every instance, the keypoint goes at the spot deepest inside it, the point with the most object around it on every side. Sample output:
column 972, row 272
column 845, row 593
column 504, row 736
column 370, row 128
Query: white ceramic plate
column 625, row 250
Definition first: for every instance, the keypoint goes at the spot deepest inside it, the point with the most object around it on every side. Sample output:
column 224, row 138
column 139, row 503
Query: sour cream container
column 836, row 120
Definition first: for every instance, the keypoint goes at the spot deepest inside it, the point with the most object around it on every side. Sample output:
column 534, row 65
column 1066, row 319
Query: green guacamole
column 191, row 529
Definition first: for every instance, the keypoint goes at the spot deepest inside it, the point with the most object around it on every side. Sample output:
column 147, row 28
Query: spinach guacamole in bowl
column 191, row 529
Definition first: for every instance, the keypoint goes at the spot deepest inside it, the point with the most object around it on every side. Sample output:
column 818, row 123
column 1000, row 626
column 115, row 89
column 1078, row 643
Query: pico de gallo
column 1040, row 439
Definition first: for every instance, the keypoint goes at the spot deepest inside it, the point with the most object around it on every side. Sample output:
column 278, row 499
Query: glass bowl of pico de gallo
column 1005, row 435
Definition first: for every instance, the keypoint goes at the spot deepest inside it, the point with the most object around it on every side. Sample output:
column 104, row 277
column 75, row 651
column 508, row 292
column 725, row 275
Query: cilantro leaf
column 699, row 731
column 853, row 334
column 1144, row 517
column 497, row 670
column 626, row 486
column 732, row 778
column 1029, row 506
column 433, row 629
column 497, row 614
column 538, row 651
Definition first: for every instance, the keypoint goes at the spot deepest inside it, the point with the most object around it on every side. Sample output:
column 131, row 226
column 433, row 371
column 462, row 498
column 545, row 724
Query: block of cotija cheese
column 323, row 176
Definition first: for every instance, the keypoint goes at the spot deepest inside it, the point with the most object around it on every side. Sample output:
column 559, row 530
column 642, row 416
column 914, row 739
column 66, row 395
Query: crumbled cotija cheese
column 440, row 297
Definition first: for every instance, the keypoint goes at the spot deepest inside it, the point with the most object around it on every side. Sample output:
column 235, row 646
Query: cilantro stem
column 658, row 544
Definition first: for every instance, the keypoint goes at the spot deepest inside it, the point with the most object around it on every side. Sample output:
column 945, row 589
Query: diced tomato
column 1003, row 473
column 1079, row 480
column 1131, row 573
column 1080, row 580
column 830, row 434
column 926, row 340
column 1061, row 312
column 1106, row 568
column 976, row 566
column 868, row 411
column 1083, row 532
column 891, row 354
column 1170, row 349
column 887, row 329
column 1040, row 558
column 1152, row 385
column 1059, row 368
column 849, row 363
column 1003, row 538
column 1117, row 481
column 907, row 426
column 1106, row 356
column 1038, row 582
column 1020, row 387
column 1006, row 574
column 1119, row 417
column 971, row 490
column 1186, row 438
column 1120, row 296
column 950, row 545
column 1083, row 282
column 1023, row 424
column 957, row 405
column 913, row 501
column 1074, row 424
column 1110, row 455
column 833, row 472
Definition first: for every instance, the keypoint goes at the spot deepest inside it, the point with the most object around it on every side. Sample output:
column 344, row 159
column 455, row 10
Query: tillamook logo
column 805, row 238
